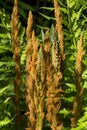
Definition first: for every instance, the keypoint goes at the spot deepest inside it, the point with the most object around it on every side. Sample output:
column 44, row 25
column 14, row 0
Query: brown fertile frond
column 77, row 105
column 59, row 29
column 47, row 48
column 79, row 56
column 29, row 52
column 47, row 42
column 55, row 49
column 16, row 58
column 31, row 55
column 34, row 55
column 14, row 26
column 40, row 65
column 40, row 70
column 54, row 93
column 35, row 42
column 29, row 26
column 53, row 78
column 78, row 66
column 31, row 58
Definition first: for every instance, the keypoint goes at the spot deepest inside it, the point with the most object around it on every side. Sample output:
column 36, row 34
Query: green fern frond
column 46, row 17
column 47, row 8
column 3, row 90
column 6, row 121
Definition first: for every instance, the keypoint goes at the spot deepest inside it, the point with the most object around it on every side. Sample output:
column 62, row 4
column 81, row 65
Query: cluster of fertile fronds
column 16, row 57
column 42, row 75
column 43, row 72
column 31, row 57
column 79, row 90
column 54, row 75
column 54, row 90
column 35, row 84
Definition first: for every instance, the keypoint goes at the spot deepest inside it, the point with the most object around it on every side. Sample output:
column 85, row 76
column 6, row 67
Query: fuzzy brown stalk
column 54, row 91
column 30, row 68
column 47, row 50
column 77, row 105
column 29, row 26
column 16, row 58
column 47, row 43
column 59, row 29
column 31, row 58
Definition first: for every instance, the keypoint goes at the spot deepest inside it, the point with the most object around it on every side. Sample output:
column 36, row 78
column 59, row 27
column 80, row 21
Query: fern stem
column 79, row 90
column 16, row 57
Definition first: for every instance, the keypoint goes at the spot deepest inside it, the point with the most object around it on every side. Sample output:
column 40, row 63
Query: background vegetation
column 74, row 20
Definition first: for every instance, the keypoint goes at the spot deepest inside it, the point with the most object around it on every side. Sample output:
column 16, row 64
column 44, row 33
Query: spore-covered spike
column 55, row 49
column 54, row 35
column 40, row 62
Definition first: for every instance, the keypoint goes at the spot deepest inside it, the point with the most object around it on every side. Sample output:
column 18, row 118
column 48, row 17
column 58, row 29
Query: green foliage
column 6, row 118
column 82, row 122
column 73, row 22
column 6, row 72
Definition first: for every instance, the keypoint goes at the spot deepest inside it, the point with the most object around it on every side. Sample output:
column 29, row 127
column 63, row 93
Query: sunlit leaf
column 42, row 33
column 41, row 27
column 64, row 112
column 46, row 17
column 47, row 8
column 3, row 90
